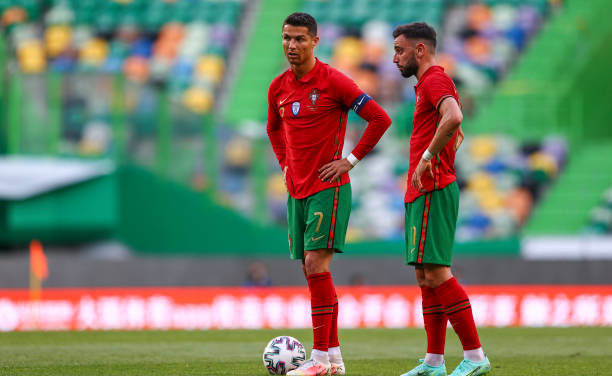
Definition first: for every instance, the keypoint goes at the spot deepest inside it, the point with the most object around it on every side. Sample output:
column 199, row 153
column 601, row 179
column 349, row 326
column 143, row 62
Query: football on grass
column 283, row 354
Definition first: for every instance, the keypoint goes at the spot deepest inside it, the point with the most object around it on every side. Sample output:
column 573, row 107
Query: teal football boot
column 425, row 369
column 469, row 368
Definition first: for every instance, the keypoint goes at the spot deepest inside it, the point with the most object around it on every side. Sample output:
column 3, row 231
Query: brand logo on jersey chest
column 295, row 108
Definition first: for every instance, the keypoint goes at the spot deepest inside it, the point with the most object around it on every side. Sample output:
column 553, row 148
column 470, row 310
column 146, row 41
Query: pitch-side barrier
column 195, row 308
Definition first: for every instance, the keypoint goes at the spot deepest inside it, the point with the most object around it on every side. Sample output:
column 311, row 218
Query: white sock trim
column 320, row 356
column 335, row 356
column 474, row 355
column 434, row 360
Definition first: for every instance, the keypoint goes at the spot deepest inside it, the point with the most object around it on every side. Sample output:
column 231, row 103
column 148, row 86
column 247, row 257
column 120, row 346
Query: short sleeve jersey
column 433, row 87
column 312, row 112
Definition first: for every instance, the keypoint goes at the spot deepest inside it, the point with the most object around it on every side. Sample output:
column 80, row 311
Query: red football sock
column 459, row 312
column 333, row 333
column 322, row 304
column 435, row 321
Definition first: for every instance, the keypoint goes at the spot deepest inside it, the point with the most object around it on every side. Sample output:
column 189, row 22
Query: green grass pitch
column 513, row 351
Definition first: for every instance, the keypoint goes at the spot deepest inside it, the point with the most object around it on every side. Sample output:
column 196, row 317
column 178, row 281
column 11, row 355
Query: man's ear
column 315, row 40
column 420, row 49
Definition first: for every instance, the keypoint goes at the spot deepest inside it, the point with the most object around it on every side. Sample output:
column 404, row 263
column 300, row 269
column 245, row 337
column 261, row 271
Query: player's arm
column 378, row 123
column 275, row 134
column 450, row 123
column 350, row 95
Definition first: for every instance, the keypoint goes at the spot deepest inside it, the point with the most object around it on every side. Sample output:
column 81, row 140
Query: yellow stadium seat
column 197, row 100
column 94, row 52
column 211, row 67
column 31, row 56
column 57, row 39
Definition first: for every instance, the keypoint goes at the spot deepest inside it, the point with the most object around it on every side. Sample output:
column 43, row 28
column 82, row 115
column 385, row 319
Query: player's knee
column 313, row 268
column 421, row 281
column 431, row 281
column 420, row 277
column 311, row 264
column 436, row 277
column 435, row 280
column 316, row 262
column 430, row 278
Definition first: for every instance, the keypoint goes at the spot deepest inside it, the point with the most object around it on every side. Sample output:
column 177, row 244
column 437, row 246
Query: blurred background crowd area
column 185, row 43
column 143, row 81
column 182, row 44
column 477, row 41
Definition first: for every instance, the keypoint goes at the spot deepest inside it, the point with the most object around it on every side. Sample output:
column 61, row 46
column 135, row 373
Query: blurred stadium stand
column 173, row 94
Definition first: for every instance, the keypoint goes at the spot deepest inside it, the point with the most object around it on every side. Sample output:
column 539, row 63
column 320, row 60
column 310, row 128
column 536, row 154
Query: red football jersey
column 432, row 88
column 307, row 124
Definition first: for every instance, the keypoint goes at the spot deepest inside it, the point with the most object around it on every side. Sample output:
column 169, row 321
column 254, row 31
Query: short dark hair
column 302, row 19
column 416, row 30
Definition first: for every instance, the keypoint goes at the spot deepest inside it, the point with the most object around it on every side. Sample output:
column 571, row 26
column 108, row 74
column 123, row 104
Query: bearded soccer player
column 432, row 202
column 307, row 112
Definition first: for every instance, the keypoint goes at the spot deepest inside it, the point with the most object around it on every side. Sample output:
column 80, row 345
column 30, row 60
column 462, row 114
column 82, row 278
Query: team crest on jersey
column 295, row 108
column 314, row 96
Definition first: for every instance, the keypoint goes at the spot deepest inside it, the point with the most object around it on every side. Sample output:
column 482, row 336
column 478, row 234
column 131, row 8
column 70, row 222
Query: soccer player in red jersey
column 308, row 107
column 432, row 202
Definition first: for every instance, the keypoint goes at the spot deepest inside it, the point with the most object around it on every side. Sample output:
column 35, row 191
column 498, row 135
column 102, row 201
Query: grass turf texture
column 513, row 351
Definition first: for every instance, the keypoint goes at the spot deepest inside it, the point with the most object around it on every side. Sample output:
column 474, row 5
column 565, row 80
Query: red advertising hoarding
column 289, row 307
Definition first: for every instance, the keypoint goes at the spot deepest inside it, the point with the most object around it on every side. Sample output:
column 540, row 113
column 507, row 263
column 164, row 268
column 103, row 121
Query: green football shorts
column 431, row 220
column 319, row 221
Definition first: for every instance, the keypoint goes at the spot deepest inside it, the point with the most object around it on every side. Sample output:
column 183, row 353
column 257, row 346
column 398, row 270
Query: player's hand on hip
column 418, row 172
column 334, row 169
column 459, row 139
